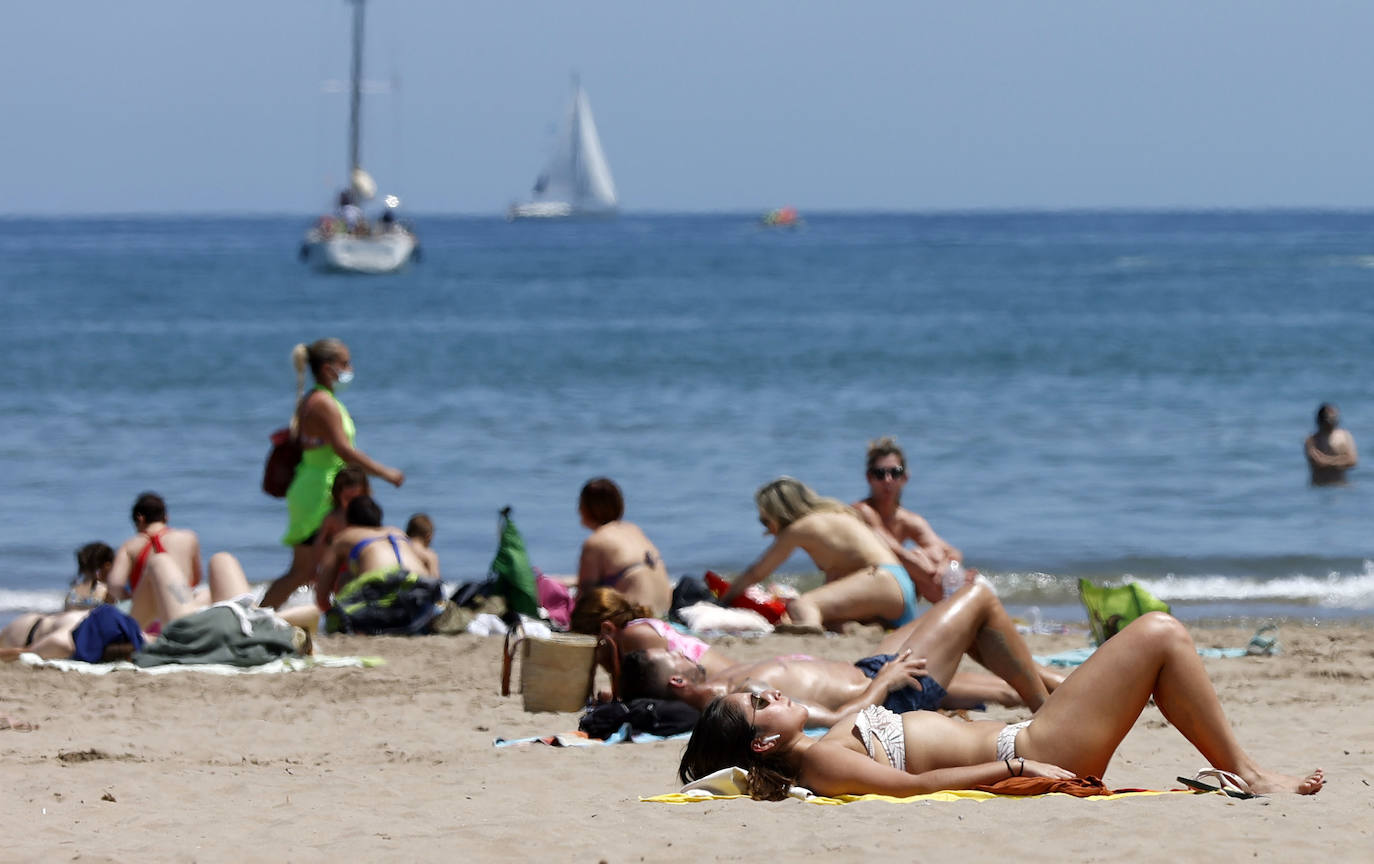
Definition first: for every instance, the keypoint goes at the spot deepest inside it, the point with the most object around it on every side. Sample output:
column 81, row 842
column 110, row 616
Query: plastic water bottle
column 951, row 577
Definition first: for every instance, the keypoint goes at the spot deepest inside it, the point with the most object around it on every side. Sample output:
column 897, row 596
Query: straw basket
column 556, row 673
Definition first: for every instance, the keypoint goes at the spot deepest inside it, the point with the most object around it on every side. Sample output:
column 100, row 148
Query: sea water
column 1118, row 396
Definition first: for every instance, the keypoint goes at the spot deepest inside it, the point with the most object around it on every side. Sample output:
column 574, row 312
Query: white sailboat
column 576, row 182
column 343, row 242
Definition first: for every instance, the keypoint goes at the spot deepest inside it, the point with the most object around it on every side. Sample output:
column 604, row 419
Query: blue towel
column 105, row 625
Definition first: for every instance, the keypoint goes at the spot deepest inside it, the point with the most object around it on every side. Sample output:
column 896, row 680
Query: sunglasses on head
column 887, row 473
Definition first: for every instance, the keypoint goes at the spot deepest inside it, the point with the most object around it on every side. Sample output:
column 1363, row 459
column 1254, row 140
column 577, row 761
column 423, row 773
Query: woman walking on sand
column 325, row 431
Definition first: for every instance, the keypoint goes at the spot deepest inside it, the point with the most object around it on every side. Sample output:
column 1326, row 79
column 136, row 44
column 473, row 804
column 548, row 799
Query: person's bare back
column 131, row 561
column 838, row 543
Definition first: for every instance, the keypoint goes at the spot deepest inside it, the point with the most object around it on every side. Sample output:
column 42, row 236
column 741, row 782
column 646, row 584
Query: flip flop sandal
column 1222, row 781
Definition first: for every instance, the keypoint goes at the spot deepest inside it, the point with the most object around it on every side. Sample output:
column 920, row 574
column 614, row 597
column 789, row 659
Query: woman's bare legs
column 974, row 617
column 227, row 579
column 302, row 572
column 171, row 588
column 1081, row 725
column 866, row 595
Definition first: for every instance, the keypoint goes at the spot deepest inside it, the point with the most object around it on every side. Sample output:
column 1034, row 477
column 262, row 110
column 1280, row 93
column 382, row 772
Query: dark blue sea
column 1116, row 395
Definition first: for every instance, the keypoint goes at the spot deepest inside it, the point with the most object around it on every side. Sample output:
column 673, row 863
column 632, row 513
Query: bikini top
column 650, row 561
column 77, row 599
column 364, row 543
column 154, row 544
column 688, row 646
column 876, row 724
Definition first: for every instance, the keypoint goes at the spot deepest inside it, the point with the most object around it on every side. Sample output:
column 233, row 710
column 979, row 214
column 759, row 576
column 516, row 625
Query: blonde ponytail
column 300, row 357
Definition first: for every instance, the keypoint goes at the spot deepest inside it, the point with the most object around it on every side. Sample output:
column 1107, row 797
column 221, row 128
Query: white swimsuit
column 876, row 722
column 1006, row 740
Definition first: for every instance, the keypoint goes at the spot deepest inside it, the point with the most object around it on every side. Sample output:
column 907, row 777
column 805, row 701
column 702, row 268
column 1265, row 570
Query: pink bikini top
column 688, row 646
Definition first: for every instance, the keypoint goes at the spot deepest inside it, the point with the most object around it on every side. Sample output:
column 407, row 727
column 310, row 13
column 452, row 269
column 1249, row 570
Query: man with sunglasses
column 915, row 668
column 884, row 513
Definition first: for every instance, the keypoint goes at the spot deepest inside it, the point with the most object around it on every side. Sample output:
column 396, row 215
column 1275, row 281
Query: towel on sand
column 223, row 633
column 731, row 783
column 285, row 664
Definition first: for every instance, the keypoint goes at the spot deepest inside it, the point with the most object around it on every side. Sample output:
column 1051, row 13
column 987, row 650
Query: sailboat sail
column 576, row 177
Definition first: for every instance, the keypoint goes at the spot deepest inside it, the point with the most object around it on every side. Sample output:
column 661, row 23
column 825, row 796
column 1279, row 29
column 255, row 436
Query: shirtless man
column 896, row 525
column 1330, row 450
column 910, row 672
column 863, row 579
column 133, row 556
column 365, row 546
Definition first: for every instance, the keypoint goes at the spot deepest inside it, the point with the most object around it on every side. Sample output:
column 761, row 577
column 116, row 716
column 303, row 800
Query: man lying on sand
column 908, row 676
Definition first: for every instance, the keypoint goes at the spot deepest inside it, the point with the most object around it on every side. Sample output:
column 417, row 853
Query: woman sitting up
column 365, row 548
column 93, row 564
column 1075, row 732
column 863, row 579
column 618, row 555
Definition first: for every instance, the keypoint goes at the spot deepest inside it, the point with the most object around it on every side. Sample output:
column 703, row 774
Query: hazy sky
column 173, row 105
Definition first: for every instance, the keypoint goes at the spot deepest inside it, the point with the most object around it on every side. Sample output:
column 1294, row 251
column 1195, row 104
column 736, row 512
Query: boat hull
column 556, row 210
column 343, row 253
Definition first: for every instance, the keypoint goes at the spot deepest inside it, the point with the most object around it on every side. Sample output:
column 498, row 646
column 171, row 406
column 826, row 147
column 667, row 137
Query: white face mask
column 345, row 378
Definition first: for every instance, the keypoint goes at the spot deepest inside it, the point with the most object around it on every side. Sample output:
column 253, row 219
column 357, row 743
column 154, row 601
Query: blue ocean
column 1112, row 395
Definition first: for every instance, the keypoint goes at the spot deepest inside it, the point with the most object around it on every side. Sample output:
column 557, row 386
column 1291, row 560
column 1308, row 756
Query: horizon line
column 9, row 216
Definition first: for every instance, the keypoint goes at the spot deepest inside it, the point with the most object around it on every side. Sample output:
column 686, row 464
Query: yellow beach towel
column 730, row 783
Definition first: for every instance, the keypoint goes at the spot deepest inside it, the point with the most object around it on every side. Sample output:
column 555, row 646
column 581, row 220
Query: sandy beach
column 397, row 762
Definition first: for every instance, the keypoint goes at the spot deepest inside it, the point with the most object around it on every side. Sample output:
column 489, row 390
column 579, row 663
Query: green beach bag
column 1110, row 609
column 511, row 571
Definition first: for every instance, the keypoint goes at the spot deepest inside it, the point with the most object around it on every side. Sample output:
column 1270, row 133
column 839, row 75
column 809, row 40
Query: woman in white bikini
column 1075, row 733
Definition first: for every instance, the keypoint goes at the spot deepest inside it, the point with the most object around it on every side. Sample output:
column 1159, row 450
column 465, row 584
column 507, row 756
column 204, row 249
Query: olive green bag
column 1110, row 609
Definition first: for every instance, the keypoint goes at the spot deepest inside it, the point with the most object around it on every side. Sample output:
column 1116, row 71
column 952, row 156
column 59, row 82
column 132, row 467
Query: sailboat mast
column 579, row 183
column 355, row 101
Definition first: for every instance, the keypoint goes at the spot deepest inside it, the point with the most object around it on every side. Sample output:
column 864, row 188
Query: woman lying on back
column 1075, row 733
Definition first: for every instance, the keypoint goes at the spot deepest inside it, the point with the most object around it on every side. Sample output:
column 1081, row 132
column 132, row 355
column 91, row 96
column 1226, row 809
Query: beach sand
column 397, row 763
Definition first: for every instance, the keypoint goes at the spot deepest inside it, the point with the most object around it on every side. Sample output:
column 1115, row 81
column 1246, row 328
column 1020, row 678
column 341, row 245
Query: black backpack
column 399, row 604
column 656, row 716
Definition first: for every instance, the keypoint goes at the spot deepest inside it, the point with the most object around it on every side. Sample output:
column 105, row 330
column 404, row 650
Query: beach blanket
column 225, row 633
column 1265, row 643
column 285, row 664
column 731, row 783
column 624, row 735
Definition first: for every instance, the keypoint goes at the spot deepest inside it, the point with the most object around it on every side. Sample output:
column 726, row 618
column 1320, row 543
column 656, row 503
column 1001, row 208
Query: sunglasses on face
column 887, row 473
column 757, row 700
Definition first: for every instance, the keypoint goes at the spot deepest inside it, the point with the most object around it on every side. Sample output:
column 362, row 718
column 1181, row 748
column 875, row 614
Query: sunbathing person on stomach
column 907, row 675
column 1075, row 733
